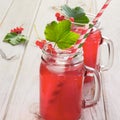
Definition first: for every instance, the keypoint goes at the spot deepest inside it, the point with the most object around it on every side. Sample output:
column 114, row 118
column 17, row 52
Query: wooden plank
column 96, row 112
column 21, row 12
column 4, row 8
column 110, row 28
column 27, row 88
column 26, row 93
column 90, row 6
column 100, row 4
column 110, row 24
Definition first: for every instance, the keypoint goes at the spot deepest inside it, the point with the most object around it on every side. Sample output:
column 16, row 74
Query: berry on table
column 17, row 30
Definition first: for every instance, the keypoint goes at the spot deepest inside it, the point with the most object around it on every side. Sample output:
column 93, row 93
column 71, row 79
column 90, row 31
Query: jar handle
column 110, row 47
column 93, row 73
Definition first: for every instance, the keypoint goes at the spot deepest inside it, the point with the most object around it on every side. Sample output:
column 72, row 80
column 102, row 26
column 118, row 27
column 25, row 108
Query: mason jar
column 61, row 83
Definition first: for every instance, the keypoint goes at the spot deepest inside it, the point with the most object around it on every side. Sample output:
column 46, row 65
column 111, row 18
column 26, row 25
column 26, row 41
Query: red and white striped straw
column 97, row 17
column 101, row 11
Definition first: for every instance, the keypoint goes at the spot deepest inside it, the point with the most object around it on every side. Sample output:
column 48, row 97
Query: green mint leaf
column 55, row 30
column 77, row 13
column 83, row 19
column 61, row 34
column 68, row 40
column 14, row 38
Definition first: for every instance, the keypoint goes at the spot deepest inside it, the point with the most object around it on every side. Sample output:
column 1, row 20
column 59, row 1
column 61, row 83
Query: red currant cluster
column 50, row 48
column 40, row 43
column 17, row 30
column 60, row 17
column 71, row 19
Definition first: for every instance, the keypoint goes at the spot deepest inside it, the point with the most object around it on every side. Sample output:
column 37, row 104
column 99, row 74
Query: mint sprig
column 77, row 13
column 14, row 38
column 61, row 34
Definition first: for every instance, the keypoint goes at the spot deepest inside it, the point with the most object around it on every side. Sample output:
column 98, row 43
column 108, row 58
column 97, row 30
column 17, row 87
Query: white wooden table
column 19, row 78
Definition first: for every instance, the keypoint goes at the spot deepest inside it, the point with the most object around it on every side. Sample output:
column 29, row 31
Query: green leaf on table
column 14, row 38
column 61, row 34
column 77, row 13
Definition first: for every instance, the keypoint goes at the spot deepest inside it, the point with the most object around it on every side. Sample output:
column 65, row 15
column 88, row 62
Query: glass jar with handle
column 61, row 83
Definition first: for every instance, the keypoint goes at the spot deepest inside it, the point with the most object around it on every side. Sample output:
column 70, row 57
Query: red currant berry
column 17, row 30
column 62, row 17
column 51, row 50
column 58, row 18
column 43, row 41
column 54, row 52
column 37, row 43
column 49, row 46
column 71, row 19
column 40, row 43
column 57, row 14
column 21, row 28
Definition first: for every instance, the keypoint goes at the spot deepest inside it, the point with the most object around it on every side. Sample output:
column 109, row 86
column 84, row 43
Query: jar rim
column 63, row 57
column 66, row 52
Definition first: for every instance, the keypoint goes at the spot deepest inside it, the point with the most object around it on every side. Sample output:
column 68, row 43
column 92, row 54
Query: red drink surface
column 60, row 92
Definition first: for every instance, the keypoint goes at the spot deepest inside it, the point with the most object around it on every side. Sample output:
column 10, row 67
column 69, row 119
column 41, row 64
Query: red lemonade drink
column 90, row 46
column 91, row 49
column 61, row 90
